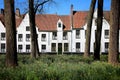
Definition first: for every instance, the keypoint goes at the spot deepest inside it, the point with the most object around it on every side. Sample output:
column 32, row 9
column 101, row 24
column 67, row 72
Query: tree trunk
column 113, row 56
column 11, row 51
column 89, row 25
column 34, row 42
column 99, row 30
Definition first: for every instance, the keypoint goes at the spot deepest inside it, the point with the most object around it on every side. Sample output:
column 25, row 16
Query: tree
column 32, row 11
column 98, row 31
column 11, row 51
column 34, row 42
column 89, row 25
column 113, row 55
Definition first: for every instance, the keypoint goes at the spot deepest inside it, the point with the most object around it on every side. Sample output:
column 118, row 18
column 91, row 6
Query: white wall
column 2, row 30
column 71, row 36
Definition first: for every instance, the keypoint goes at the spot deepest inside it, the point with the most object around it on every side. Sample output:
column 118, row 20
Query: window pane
column 77, row 45
column 106, row 32
column 59, row 24
column 19, row 46
column 53, row 46
column 2, row 36
column 43, row 46
column 54, row 35
column 77, row 34
column 2, row 46
column 27, row 28
column 106, row 46
column 85, row 33
column 27, row 37
column 27, row 46
column 19, row 37
column 65, row 35
column 65, row 46
column 43, row 37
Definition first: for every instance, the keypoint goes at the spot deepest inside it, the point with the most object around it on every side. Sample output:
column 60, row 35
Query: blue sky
column 62, row 7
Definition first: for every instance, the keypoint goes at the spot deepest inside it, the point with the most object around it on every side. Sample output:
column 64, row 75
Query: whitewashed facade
column 59, row 40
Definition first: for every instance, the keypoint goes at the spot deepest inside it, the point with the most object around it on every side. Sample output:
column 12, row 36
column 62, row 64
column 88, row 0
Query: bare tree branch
column 37, row 5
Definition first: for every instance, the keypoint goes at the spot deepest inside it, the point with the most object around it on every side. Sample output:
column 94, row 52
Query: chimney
column 71, row 16
column 2, row 11
column 71, row 10
column 17, row 12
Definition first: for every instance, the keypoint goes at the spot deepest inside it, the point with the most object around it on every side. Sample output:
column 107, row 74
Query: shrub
column 59, row 67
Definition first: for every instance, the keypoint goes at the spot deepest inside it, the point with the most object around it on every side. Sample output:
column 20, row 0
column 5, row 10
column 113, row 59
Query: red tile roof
column 2, row 18
column 66, row 22
column 79, row 19
column 48, row 22
column 18, row 20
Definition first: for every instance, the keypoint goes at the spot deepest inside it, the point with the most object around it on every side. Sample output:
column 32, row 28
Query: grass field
column 59, row 67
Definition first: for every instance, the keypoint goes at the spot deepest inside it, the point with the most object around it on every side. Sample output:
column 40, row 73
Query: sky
column 60, row 7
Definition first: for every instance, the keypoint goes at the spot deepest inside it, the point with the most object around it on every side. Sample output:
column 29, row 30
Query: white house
column 57, row 33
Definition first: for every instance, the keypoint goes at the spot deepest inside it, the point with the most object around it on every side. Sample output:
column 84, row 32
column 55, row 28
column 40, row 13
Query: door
column 59, row 48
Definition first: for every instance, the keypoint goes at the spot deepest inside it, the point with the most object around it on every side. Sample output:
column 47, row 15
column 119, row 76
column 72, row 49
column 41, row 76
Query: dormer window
column 59, row 24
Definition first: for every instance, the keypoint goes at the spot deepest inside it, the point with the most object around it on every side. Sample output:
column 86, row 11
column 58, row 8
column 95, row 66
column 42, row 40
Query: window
column 2, row 36
column 65, row 47
column 19, row 48
column 65, row 37
column 106, row 34
column 43, row 37
column 27, row 37
column 95, row 22
column 53, row 47
column 59, row 24
column 77, row 34
column 27, row 28
column 3, row 47
column 106, row 46
column 54, row 35
column 43, row 48
column 27, row 48
column 77, row 47
column 85, row 33
column 20, row 37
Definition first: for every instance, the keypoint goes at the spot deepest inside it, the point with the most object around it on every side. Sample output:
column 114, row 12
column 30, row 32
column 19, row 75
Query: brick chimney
column 18, row 12
column 2, row 11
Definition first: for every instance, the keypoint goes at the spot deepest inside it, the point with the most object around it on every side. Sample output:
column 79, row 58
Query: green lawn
column 59, row 67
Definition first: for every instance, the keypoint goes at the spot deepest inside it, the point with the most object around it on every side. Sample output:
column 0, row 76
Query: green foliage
column 59, row 67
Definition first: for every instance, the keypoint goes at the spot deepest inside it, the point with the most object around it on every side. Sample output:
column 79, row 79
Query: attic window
column 59, row 24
